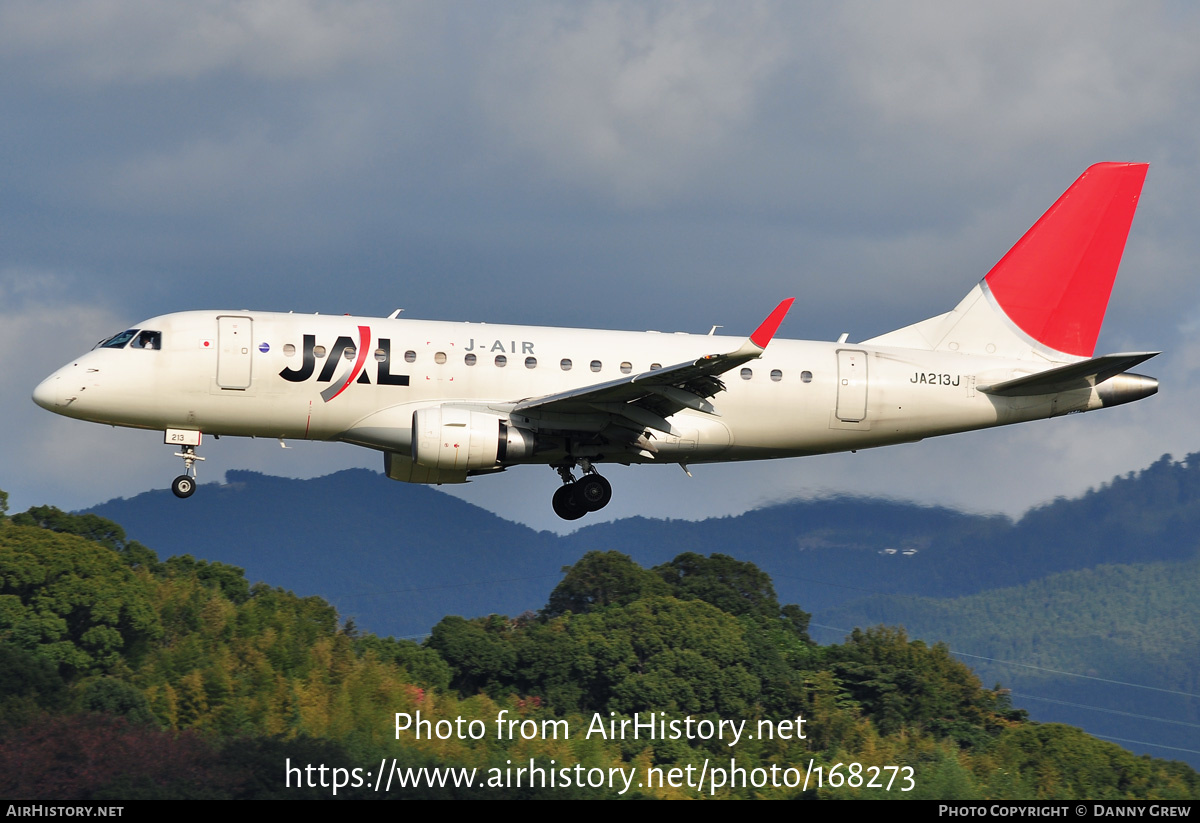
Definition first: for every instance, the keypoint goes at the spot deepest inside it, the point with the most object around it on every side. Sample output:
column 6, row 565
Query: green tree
column 899, row 683
column 600, row 579
column 424, row 665
column 733, row 586
column 89, row 526
column 231, row 580
column 109, row 695
column 72, row 601
column 657, row 653
column 479, row 654
column 28, row 685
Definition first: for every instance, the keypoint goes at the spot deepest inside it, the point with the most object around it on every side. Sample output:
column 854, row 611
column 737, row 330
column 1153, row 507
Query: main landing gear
column 575, row 498
column 185, row 484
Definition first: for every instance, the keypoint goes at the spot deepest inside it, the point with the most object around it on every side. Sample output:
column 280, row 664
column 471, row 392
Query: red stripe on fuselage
column 364, row 343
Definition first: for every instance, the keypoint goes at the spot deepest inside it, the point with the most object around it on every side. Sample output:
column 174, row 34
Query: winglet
column 763, row 334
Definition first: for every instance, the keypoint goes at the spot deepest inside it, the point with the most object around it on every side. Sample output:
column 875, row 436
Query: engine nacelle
column 449, row 438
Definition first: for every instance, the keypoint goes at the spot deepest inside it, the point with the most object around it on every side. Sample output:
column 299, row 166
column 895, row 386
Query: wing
column 645, row 401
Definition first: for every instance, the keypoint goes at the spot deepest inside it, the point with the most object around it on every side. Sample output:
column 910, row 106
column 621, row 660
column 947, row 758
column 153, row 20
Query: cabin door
column 234, row 339
column 852, row 385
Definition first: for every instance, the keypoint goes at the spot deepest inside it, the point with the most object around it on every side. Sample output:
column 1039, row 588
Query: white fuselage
column 446, row 401
column 226, row 377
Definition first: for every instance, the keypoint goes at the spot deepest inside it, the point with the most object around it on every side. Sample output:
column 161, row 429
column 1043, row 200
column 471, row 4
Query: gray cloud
column 630, row 101
column 609, row 164
column 134, row 43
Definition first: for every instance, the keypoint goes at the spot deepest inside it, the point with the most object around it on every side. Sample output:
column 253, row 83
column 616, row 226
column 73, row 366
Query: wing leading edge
column 647, row 399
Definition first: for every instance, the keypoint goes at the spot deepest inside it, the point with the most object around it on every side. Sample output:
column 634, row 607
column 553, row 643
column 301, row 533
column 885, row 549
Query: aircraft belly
column 700, row 438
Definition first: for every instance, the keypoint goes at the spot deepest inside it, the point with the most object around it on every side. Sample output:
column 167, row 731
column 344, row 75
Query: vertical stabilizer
column 1047, row 296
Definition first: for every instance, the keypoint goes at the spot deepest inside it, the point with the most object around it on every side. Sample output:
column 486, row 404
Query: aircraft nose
column 46, row 393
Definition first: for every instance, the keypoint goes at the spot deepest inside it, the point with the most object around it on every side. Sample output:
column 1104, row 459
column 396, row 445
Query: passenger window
column 319, row 351
column 655, row 366
column 289, row 350
column 501, row 361
column 469, row 359
column 380, row 355
column 439, row 357
column 776, row 375
column 626, row 367
column 596, row 365
column 410, row 356
column 747, row 374
column 349, row 353
column 531, row 362
column 565, row 364
column 805, row 377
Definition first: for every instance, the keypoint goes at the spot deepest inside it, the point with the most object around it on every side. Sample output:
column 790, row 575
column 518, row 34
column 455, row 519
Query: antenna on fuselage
column 394, row 314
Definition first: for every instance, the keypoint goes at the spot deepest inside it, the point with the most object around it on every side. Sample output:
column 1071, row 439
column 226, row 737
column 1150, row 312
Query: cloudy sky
column 605, row 164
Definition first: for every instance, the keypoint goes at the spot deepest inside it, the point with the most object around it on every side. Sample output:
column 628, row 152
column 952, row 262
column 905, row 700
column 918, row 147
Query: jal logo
column 354, row 372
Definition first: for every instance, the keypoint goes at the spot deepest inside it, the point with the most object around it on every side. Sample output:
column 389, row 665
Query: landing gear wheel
column 565, row 505
column 183, row 486
column 593, row 492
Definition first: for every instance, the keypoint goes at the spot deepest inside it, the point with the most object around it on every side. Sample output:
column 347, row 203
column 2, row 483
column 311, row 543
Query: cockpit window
column 117, row 341
column 148, row 340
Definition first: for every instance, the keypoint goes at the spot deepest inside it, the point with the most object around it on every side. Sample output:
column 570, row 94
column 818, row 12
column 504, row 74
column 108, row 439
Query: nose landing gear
column 185, row 484
column 575, row 498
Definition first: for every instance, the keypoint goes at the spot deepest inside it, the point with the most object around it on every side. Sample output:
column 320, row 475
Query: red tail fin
column 1055, row 282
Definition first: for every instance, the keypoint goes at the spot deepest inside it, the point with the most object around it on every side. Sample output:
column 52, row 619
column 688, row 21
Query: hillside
column 398, row 557
column 396, row 560
column 124, row 676
column 427, row 555
column 1116, row 624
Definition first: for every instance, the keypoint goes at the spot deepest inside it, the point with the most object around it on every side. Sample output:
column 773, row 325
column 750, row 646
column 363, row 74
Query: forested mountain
column 826, row 552
column 124, row 676
column 398, row 557
column 1132, row 631
column 395, row 562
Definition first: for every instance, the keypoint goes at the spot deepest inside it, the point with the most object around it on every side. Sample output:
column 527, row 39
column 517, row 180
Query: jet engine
column 446, row 437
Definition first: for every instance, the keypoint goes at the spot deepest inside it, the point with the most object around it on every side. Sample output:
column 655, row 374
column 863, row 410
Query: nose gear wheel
column 184, row 485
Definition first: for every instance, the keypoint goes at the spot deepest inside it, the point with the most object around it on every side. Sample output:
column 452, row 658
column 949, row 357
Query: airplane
column 448, row 401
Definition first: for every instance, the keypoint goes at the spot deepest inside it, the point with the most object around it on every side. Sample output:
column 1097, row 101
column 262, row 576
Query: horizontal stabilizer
column 1064, row 378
